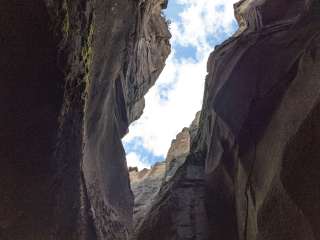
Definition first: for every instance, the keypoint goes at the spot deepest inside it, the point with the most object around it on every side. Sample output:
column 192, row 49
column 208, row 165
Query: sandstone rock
column 257, row 174
column 255, row 109
column 145, row 186
column 74, row 74
column 73, row 77
column 153, row 187
column 178, row 210
column 150, row 48
column 178, row 151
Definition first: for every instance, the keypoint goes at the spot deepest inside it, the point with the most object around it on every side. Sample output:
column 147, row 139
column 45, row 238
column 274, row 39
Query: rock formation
column 147, row 183
column 253, row 171
column 177, row 208
column 259, row 125
column 73, row 76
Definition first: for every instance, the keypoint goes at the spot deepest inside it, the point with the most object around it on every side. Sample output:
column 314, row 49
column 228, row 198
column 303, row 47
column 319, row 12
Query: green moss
column 87, row 55
column 66, row 20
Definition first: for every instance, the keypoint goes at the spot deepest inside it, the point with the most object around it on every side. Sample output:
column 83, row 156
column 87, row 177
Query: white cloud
column 202, row 19
column 162, row 119
column 201, row 24
column 133, row 160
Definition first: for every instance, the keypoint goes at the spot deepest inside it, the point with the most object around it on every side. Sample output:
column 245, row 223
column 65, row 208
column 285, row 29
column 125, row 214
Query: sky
column 196, row 27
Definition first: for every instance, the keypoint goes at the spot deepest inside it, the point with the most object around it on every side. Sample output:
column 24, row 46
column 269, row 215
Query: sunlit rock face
column 148, row 49
column 73, row 76
column 145, row 184
column 169, row 196
column 253, row 170
column 179, row 149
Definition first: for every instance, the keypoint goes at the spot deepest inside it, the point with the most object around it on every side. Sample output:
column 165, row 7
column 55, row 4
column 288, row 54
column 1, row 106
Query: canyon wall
column 177, row 208
column 147, row 184
column 253, row 171
column 73, row 76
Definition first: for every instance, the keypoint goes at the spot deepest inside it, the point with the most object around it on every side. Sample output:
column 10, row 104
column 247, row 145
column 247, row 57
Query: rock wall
column 253, row 169
column 74, row 74
column 178, row 210
column 169, row 198
column 255, row 112
column 146, row 184
column 73, row 77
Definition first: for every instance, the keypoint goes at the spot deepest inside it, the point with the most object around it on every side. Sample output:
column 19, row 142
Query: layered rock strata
column 253, row 169
column 145, row 186
column 74, row 74
column 153, row 187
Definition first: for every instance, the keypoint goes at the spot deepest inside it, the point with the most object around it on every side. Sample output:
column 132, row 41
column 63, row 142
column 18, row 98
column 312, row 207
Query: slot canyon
column 74, row 74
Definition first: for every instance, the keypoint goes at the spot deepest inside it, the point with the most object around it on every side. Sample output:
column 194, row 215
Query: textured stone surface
column 157, row 186
column 178, row 210
column 178, row 151
column 145, row 184
column 73, row 77
column 256, row 150
column 256, row 111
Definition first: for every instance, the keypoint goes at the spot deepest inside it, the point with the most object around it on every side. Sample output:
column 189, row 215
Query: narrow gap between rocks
column 175, row 100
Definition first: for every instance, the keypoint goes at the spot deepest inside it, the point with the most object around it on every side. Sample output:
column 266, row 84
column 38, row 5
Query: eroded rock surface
column 155, row 186
column 255, row 110
column 74, row 74
column 254, row 162
column 145, row 185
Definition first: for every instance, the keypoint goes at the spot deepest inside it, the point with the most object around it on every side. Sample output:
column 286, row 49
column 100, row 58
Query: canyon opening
column 175, row 101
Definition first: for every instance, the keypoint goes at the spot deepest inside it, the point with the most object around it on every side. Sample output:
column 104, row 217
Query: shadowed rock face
column 145, row 184
column 74, row 74
column 169, row 198
column 255, row 151
column 178, row 210
column 256, row 110
column 71, row 84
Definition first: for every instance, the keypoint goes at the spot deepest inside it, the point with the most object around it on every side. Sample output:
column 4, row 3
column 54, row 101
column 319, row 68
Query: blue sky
column 196, row 27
